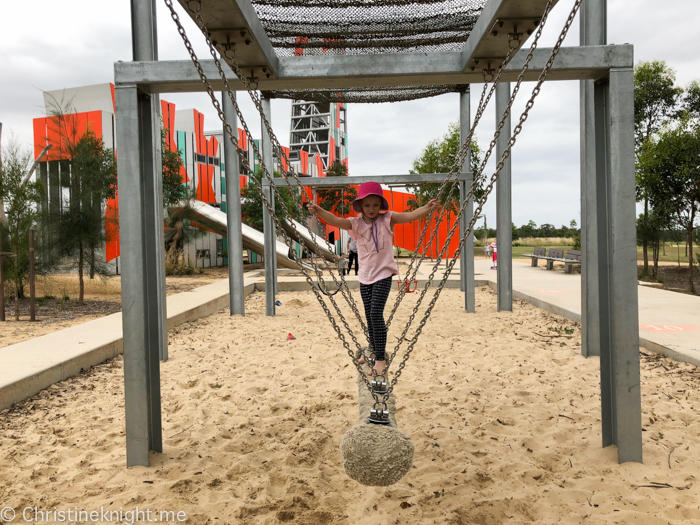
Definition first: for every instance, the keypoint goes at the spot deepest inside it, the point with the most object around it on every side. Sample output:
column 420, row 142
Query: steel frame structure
column 609, row 286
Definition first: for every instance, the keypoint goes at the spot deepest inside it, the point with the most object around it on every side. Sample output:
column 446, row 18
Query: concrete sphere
column 376, row 455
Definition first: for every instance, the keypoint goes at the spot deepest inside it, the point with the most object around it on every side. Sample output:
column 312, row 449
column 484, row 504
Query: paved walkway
column 669, row 324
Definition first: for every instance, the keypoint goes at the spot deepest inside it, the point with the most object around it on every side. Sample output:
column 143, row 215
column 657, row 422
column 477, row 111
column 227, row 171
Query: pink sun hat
column 369, row 188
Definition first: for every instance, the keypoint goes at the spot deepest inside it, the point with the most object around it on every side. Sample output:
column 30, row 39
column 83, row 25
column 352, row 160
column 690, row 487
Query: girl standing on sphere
column 373, row 231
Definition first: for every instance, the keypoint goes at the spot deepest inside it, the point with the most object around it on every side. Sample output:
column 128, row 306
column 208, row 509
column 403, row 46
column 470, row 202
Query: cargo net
column 354, row 27
column 367, row 95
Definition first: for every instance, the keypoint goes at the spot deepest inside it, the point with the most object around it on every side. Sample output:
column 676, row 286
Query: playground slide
column 327, row 250
column 215, row 220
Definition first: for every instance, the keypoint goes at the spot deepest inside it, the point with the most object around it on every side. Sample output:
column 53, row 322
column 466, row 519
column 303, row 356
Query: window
column 203, row 254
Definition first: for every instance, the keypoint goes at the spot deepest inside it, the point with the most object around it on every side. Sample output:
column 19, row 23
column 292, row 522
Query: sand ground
column 502, row 409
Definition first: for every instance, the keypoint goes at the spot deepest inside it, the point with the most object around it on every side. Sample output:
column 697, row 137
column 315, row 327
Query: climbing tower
column 319, row 129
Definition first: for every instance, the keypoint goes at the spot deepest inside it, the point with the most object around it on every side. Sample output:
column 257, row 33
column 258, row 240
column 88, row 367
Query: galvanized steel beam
column 504, row 212
column 268, row 222
column 140, row 298
column 619, row 358
column 381, row 70
column 235, row 23
column 233, row 214
column 141, row 237
column 414, row 178
column 466, row 258
column 593, row 160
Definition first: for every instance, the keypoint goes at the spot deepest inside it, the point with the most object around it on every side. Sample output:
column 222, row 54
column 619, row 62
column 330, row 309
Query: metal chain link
column 258, row 187
column 278, row 153
column 531, row 102
column 465, row 151
column 488, row 190
column 275, row 144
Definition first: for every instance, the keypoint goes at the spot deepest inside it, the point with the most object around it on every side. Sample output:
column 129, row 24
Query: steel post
column 140, row 315
column 593, row 32
column 504, row 221
column 466, row 262
column 140, row 231
column 233, row 213
column 268, row 223
column 619, row 358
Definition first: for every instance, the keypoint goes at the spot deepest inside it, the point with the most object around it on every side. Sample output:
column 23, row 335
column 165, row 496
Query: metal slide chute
column 253, row 240
column 326, row 249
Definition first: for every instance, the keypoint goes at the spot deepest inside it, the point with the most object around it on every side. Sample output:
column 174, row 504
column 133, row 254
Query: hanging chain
column 278, row 153
column 258, row 186
column 465, row 153
column 523, row 117
column 463, row 237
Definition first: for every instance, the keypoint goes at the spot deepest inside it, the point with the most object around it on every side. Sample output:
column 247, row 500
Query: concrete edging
column 32, row 382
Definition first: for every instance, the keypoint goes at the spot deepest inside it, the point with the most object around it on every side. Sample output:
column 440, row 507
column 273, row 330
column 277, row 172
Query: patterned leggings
column 374, row 297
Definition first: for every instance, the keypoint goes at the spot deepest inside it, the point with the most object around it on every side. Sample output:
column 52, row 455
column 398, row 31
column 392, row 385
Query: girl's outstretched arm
column 329, row 217
column 410, row 216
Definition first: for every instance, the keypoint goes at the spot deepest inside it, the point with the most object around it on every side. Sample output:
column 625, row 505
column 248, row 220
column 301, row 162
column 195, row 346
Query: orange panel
column 331, row 152
column 304, row 157
column 63, row 132
column 285, row 158
column 112, row 249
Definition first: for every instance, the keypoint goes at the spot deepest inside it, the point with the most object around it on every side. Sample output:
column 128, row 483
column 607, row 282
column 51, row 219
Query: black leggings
column 353, row 257
column 374, row 297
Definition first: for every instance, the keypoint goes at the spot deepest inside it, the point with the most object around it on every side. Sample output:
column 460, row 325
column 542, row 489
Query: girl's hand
column 313, row 208
column 433, row 205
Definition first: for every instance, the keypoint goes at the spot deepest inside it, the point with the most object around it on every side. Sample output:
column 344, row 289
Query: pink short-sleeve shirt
column 376, row 259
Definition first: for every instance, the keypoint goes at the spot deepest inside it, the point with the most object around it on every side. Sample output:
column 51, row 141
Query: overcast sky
column 48, row 45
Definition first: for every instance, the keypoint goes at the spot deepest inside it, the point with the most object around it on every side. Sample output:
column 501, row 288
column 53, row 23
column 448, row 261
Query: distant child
column 352, row 253
column 372, row 233
column 342, row 264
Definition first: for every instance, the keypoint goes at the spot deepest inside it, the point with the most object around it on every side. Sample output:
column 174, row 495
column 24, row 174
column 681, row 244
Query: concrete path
column 28, row 367
column 669, row 323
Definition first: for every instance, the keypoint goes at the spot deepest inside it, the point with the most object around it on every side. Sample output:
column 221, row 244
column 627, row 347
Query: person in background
column 342, row 264
column 352, row 254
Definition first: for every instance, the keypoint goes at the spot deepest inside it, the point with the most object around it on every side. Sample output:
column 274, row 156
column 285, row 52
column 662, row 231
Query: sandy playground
column 502, row 409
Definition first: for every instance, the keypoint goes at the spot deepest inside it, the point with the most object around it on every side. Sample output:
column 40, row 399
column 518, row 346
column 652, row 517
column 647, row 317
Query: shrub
column 173, row 269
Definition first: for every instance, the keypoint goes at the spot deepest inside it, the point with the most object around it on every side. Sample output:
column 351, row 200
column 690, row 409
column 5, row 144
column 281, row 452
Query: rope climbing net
column 267, row 193
column 351, row 27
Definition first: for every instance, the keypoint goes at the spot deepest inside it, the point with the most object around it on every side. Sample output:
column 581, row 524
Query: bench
column 572, row 257
column 537, row 253
column 554, row 254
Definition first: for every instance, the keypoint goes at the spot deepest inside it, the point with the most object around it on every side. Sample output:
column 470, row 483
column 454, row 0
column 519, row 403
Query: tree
column 173, row 188
column 252, row 205
column 79, row 226
column 19, row 199
column 337, row 200
column 439, row 156
column 181, row 228
column 529, row 229
column 546, row 230
column 669, row 169
column 655, row 101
